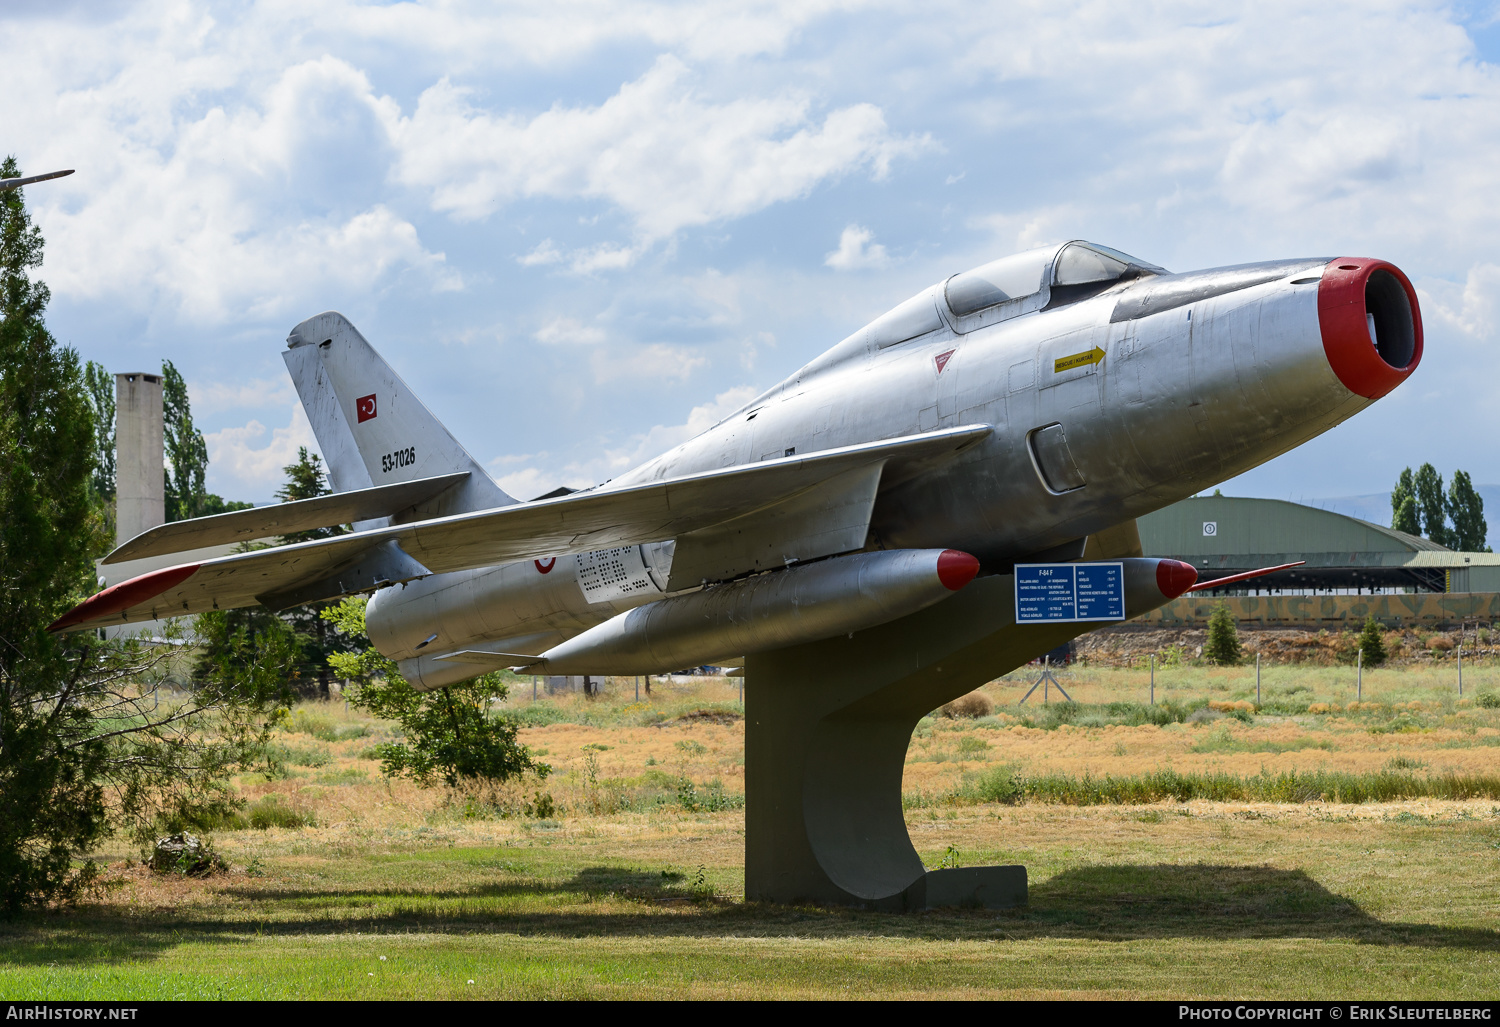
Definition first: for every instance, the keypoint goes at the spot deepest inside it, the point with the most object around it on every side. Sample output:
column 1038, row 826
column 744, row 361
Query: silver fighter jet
column 1007, row 414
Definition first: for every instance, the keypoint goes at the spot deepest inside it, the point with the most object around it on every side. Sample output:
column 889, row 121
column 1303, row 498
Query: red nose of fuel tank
column 1371, row 325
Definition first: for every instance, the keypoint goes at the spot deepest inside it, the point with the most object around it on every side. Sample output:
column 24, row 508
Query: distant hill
column 1376, row 507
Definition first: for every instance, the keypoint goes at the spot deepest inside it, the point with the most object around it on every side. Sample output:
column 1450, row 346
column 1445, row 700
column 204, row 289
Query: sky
column 582, row 231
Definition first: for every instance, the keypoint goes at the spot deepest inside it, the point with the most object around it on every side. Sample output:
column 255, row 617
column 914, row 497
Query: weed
column 1404, row 763
column 269, row 812
column 1487, row 700
column 970, row 747
column 1291, row 786
column 998, row 784
column 297, row 756
column 699, row 885
column 713, row 798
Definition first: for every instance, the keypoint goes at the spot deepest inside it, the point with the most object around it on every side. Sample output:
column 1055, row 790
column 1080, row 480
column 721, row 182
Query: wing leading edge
column 577, row 523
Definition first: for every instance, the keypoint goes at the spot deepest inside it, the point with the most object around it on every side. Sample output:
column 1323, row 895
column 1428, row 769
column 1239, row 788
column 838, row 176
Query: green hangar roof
column 1223, row 535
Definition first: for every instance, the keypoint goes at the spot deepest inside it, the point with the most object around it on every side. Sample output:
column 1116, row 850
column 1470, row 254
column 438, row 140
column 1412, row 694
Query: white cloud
column 563, row 330
column 534, row 477
column 213, row 397
column 655, row 361
column 195, row 213
column 855, row 251
column 240, row 469
column 545, row 252
column 657, row 150
column 1473, row 308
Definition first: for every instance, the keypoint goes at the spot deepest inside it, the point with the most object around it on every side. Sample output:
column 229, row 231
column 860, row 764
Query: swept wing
column 581, row 522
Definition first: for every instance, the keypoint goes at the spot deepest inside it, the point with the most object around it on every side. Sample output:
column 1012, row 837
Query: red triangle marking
column 942, row 360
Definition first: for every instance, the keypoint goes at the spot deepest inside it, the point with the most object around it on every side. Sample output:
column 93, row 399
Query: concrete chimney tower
column 140, row 492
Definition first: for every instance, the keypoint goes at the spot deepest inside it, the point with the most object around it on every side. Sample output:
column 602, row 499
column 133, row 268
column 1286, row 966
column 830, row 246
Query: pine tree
column 1372, row 643
column 1223, row 647
column 1466, row 510
column 1427, row 486
column 80, row 753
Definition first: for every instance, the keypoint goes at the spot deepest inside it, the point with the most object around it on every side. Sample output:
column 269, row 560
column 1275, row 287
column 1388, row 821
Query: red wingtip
column 956, row 569
column 1173, row 577
column 124, row 595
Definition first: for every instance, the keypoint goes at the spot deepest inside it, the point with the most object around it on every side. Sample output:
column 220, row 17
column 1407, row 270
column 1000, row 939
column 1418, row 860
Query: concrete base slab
column 970, row 887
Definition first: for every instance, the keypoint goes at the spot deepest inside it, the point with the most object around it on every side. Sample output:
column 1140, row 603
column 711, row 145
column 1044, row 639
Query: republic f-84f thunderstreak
column 859, row 534
column 1010, row 413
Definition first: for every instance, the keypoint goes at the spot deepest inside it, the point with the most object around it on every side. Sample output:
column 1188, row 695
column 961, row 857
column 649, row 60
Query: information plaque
column 1060, row 593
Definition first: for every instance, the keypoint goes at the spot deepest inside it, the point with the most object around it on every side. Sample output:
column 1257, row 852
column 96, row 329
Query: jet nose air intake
column 1371, row 324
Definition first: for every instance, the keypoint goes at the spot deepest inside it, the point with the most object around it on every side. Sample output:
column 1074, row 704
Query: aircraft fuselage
column 1107, row 400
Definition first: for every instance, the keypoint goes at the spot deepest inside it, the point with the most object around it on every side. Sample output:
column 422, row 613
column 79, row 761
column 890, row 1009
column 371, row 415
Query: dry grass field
column 630, row 885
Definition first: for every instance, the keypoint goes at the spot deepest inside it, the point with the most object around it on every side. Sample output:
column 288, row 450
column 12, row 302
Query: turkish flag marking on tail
column 941, row 359
column 364, row 407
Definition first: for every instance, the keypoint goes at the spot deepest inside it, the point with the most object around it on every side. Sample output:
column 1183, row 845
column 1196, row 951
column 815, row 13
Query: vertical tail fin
column 371, row 427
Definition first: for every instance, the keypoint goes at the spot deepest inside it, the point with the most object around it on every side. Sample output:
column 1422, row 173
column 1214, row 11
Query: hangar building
column 1353, row 568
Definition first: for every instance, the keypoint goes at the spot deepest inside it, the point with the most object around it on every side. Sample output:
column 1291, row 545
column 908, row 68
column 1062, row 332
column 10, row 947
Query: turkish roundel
column 364, row 407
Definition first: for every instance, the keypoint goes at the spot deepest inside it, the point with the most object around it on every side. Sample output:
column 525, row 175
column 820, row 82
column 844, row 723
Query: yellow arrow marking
column 1093, row 356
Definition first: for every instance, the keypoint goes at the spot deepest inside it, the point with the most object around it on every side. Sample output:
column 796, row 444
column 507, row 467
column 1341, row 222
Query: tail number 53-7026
column 400, row 458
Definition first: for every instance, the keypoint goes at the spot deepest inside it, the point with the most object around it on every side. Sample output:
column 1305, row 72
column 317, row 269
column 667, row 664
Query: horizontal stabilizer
column 579, row 523
column 283, row 518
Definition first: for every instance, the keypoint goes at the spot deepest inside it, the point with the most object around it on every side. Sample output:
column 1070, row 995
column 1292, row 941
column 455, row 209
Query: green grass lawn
column 1200, row 901
column 628, row 892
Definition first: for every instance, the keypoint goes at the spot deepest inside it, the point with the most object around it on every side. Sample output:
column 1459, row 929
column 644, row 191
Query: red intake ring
column 956, row 569
column 124, row 595
column 1354, row 292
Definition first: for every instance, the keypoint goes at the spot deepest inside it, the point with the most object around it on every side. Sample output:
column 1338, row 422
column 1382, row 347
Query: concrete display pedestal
column 826, row 731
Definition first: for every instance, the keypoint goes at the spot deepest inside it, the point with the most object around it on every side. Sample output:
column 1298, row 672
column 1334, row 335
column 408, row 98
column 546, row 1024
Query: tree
column 1372, row 643
column 187, row 452
column 1466, row 510
column 101, row 392
column 319, row 638
column 1404, row 505
column 1427, row 486
column 187, row 494
column 1223, row 646
column 448, row 732
column 82, row 751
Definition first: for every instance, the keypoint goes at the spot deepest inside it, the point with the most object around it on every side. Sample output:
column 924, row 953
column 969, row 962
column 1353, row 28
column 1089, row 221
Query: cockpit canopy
column 1011, row 281
column 991, row 293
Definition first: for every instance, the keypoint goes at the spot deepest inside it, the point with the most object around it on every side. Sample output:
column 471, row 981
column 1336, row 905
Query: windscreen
column 1082, row 263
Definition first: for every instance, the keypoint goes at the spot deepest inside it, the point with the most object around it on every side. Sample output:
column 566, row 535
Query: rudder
column 371, row 427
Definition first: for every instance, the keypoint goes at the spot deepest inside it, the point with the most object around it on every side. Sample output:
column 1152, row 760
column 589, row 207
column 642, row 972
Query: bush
column 973, row 706
column 1489, row 700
